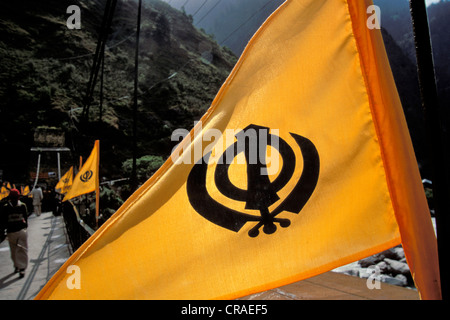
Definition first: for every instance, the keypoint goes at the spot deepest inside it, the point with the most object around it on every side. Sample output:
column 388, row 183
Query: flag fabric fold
column 65, row 183
column 220, row 220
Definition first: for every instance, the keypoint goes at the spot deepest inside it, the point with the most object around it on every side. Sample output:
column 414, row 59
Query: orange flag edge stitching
column 408, row 198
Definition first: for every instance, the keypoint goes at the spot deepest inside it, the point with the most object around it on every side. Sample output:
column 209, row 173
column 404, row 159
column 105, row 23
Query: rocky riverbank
column 388, row 266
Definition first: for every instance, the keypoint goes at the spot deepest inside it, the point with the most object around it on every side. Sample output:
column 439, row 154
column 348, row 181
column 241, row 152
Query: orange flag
column 302, row 164
column 3, row 192
column 87, row 179
column 64, row 185
column 26, row 191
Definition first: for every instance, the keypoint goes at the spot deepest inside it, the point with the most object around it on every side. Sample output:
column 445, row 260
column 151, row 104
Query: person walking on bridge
column 37, row 200
column 14, row 218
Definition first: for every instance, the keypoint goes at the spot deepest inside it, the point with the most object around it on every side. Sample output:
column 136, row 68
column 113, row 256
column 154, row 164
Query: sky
column 431, row 1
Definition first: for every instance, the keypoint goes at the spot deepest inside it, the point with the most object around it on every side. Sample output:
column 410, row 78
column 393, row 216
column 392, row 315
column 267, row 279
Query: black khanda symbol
column 261, row 192
column 85, row 177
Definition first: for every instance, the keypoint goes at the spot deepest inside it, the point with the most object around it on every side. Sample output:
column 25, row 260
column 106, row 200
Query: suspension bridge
column 49, row 247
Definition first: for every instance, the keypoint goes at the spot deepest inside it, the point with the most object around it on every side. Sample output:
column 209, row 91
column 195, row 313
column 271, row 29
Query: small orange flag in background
column 64, row 185
column 3, row 192
column 26, row 191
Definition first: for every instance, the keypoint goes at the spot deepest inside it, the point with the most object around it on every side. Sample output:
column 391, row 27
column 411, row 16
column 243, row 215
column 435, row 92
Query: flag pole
column 135, row 104
column 97, row 185
column 433, row 119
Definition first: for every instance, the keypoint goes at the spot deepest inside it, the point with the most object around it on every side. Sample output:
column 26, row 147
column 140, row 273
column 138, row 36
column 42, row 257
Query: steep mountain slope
column 396, row 19
column 233, row 22
column 45, row 69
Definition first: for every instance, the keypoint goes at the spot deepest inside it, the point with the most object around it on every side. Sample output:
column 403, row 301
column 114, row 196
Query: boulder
column 397, row 267
column 391, row 280
column 403, row 279
column 372, row 260
column 383, row 267
column 396, row 253
column 351, row 269
column 365, row 273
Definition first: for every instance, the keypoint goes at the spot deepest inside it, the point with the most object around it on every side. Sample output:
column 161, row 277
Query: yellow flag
column 26, row 191
column 302, row 164
column 63, row 185
column 87, row 179
column 3, row 193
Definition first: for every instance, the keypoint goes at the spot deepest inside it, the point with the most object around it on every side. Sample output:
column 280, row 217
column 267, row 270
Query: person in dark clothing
column 14, row 218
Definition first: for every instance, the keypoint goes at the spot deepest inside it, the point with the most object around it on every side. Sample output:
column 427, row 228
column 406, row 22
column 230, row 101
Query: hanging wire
column 199, row 8
column 91, row 54
column 201, row 19
column 248, row 19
